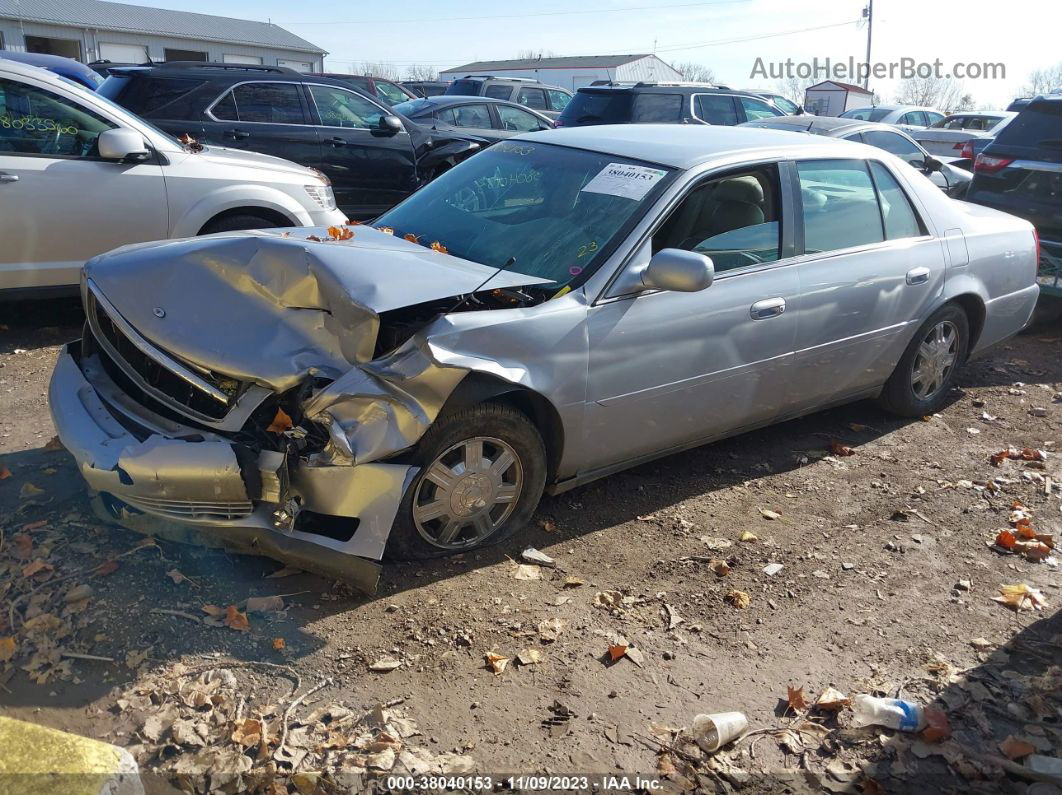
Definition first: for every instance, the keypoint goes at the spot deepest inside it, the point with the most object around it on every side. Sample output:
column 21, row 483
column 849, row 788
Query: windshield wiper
column 508, row 264
column 589, row 117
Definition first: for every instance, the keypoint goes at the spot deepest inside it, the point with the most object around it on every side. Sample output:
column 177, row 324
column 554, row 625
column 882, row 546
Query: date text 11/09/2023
column 525, row 782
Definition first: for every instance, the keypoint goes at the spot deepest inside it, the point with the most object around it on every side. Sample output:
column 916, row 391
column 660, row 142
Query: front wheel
column 482, row 471
column 919, row 385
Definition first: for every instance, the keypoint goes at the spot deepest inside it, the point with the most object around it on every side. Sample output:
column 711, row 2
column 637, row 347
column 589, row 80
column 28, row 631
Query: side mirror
column 122, row 144
column 932, row 164
column 391, row 124
column 678, row 270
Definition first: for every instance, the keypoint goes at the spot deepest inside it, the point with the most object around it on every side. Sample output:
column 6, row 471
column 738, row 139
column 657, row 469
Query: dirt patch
column 886, row 586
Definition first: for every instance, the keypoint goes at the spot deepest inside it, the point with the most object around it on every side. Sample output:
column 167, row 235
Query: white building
column 832, row 98
column 89, row 30
column 574, row 71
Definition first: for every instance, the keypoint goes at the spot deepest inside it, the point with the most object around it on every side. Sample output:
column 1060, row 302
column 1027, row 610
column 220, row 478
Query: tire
column 920, row 383
column 238, row 223
column 431, row 524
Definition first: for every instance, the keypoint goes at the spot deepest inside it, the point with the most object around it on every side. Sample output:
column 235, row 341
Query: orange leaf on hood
column 437, row 246
column 281, row 422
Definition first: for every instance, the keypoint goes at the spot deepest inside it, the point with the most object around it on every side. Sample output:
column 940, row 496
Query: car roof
column 829, row 126
column 29, row 70
column 667, row 88
column 465, row 99
column 685, row 146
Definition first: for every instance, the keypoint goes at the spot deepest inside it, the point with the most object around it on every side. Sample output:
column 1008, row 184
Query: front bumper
column 175, row 480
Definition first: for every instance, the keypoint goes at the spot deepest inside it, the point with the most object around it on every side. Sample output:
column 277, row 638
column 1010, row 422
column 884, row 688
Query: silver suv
column 80, row 176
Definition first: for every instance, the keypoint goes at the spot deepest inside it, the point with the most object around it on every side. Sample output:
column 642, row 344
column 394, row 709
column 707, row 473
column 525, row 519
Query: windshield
column 412, row 108
column 866, row 114
column 556, row 212
column 597, row 107
column 140, row 119
column 390, row 92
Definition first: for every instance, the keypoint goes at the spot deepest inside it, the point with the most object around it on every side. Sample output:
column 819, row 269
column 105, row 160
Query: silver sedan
column 561, row 306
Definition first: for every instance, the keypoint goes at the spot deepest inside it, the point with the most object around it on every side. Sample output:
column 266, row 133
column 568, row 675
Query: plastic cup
column 714, row 731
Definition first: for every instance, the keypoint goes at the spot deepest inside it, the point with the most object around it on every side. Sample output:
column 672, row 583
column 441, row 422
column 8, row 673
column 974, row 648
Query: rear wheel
column 482, row 471
column 237, row 223
column 919, row 385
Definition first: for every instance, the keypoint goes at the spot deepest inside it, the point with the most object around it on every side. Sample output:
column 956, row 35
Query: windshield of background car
column 557, row 212
column 597, row 107
column 390, row 92
column 468, row 88
column 866, row 114
column 413, row 108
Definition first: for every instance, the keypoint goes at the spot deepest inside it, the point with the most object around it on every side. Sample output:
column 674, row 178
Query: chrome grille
column 186, row 510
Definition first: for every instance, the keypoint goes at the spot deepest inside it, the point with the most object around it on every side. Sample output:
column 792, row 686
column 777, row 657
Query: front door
column 668, row 369
column 870, row 274
column 266, row 117
column 60, row 204
column 371, row 168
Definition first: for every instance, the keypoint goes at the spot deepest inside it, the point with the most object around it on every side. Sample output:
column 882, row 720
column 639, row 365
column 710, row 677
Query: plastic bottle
column 893, row 713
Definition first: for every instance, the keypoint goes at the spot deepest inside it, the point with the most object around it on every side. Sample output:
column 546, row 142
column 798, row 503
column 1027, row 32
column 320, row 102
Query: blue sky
column 1022, row 35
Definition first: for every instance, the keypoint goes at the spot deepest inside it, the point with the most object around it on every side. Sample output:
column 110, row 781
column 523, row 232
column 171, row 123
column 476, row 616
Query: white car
column 80, row 176
column 947, row 137
column 906, row 117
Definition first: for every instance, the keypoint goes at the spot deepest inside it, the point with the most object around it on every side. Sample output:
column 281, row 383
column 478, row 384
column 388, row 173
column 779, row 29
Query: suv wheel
column 482, row 471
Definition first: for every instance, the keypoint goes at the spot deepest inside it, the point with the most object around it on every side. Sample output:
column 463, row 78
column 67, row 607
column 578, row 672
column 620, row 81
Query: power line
column 514, row 16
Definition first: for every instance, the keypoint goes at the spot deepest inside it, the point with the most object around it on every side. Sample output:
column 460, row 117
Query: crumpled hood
column 269, row 306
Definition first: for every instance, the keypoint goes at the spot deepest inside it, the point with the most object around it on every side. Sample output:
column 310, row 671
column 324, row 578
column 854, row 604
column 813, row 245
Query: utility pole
column 868, row 14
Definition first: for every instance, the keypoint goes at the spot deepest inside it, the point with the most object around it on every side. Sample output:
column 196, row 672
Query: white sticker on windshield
column 621, row 179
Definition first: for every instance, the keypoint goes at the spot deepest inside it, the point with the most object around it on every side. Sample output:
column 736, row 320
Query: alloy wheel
column 467, row 492
column 935, row 359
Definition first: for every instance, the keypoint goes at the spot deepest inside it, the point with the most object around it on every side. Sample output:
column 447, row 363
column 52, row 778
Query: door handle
column 337, row 141
column 237, row 135
column 767, row 308
column 918, row 276
column 8, row 177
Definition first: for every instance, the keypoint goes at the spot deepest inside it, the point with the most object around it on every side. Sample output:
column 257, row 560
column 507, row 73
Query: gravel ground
column 886, row 587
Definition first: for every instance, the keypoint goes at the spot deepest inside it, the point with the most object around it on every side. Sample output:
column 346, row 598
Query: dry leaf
column 937, row 727
column 213, row 611
column 55, row 443
column 23, row 546
column 29, row 490
column 796, row 699
column 1033, row 550
column 386, row 230
column 248, row 733
column 191, row 143
column 529, row 657
column 437, row 246
column 1006, row 539
column 176, row 576
column 385, row 665
column 617, row 650
column 719, row 567
column 1014, row 748
column 574, row 582
column 281, row 422
column 279, row 644
column 265, row 604
column 496, row 662
column 840, row 450
column 832, row 700
column 5, row 473
column 107, row 567
column 410, row 237
column 550, row 629
column 738, row 599
column 748, row 537
column 8, row 647
column 857, row 427
column 1020, row 597
column 234, row 619
column 36, row 567
column 769, row 514
column 526, row 571
column 339, row 233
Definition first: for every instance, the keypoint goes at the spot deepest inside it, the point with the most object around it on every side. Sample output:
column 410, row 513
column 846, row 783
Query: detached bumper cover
column 165, row 484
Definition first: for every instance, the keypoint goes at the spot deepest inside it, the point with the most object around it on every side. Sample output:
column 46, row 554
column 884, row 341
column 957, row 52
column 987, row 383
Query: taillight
column 987, row 164
column 965, row 150
column 1036, row 242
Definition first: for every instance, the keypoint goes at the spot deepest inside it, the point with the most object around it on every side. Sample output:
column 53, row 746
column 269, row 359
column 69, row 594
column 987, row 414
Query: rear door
column 60, row 203
column 264, row 116
column 715, row 109
column 516, row 120
column 869, row 273
column 473, row 118
column 371, row 168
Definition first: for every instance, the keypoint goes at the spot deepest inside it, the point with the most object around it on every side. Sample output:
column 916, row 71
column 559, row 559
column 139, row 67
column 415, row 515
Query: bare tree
column 695, row 72
column 532, row 55
column 793, row 88
column 419, row 71
column 1043, row 81
column 933, row 92
column 385, row 70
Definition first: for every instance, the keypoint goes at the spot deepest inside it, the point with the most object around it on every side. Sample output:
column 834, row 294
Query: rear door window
column 467, row 116
column 757, row 109
column 558, row 99
column 665, row 108
column 897, row 213
column 716, row 109
column 516, row 120
column 533, row 98
column 268, row 103
column 899, row 145
column 498, row 91
column 915, row 118
column 839, row 205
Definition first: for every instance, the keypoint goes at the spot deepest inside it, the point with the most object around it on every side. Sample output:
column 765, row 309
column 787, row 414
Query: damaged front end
column 278, row 431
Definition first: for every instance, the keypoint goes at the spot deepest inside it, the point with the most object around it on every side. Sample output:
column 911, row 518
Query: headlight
column 323, row 195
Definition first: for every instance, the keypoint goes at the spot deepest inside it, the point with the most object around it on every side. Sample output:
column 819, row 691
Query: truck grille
column 193, row 393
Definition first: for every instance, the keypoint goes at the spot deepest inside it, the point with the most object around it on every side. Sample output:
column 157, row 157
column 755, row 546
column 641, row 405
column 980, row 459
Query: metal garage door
column 123, row 53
